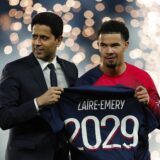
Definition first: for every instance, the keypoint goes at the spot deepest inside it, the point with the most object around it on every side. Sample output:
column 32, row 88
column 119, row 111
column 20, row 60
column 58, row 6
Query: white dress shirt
column 61, row 79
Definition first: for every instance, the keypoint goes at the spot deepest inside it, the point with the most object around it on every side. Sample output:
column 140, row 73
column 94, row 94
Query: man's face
column 112, row 47
column 44, row 43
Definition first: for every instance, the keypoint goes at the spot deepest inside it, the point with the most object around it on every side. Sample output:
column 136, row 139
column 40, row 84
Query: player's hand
column 142, row 95
column 51, row 96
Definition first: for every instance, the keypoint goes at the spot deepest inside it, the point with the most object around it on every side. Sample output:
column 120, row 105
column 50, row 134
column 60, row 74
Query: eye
column 115, row 45
column 45, row 38
column 34, row 37
column 103, row 45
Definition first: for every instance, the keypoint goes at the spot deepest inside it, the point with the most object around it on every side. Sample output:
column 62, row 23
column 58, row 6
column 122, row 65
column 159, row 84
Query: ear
column 97, row 43
column 59, row 40
column 126, row 44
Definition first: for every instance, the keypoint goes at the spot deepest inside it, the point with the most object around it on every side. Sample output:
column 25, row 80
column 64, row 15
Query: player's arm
column 149, row 96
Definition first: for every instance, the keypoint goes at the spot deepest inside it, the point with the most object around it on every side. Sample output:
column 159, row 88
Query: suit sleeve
column 12, row 110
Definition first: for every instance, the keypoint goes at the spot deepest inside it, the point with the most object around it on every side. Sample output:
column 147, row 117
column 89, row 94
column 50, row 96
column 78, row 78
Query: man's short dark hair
column 51, row 20
column 114, row 26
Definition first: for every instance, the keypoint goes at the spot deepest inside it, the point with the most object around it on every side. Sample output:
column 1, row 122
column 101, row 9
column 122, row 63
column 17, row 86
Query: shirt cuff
column 36, row 105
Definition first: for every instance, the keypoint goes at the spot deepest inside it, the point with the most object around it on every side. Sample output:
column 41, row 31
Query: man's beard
column 111, row 65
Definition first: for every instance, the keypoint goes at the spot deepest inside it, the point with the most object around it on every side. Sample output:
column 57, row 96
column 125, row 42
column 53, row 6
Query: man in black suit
column 25, row 90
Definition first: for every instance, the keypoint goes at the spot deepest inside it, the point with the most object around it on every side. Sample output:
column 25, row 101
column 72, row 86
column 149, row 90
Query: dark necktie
column 53, row 76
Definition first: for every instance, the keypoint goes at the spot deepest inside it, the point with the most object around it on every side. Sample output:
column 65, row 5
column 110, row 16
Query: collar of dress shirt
column 44, row 64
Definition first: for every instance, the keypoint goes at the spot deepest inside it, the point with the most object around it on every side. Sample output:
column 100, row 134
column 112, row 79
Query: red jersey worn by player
column 131, row 77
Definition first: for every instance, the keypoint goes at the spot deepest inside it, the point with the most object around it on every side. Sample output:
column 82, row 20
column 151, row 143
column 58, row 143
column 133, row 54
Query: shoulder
column 90, row 77
column 65, row 62
column 93, row 72
column 17, row 66
column 66, row 65
column 16, row 63
column 137, row 71
column 22, row 61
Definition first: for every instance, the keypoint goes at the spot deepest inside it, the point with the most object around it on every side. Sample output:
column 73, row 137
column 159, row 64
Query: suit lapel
column 37, row 72
column 66, row 70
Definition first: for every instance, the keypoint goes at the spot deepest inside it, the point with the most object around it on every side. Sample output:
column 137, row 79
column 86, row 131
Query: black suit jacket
column 30, row 136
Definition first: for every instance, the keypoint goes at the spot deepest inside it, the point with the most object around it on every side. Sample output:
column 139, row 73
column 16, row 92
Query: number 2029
column 98, row 124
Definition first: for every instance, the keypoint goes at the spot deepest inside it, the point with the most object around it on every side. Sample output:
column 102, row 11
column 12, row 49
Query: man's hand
column 142, row 95
column 51, row 96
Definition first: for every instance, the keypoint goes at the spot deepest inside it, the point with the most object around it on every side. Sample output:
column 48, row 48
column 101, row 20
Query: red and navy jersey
column 103, row 123
column 131, row 77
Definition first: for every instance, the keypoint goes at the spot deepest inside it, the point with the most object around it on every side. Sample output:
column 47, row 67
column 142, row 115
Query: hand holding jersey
column 51, row 96
column 142, row 94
